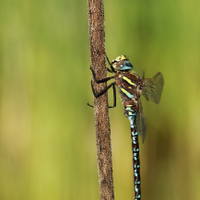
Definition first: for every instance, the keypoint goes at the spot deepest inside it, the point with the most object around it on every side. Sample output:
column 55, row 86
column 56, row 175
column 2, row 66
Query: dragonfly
column 131, row 87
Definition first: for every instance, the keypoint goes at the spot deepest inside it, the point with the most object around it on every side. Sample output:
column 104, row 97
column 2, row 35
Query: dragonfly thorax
column 128, row 84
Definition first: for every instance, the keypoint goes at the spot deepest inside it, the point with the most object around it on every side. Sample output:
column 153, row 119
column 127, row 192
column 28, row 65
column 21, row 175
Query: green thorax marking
column 126, row 93
column 129, row 81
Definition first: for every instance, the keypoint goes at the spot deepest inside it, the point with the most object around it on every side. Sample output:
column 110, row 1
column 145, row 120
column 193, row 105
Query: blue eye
column 127, row 66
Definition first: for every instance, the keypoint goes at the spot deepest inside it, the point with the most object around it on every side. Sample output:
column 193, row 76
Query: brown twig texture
column 102, row 124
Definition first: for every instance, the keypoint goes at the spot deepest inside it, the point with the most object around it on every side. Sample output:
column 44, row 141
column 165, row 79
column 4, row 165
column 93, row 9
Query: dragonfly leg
column 102, row 80
column 112, row 69
column 114, row 95
column 114, row 98
column 103, row 91
column 109, row 70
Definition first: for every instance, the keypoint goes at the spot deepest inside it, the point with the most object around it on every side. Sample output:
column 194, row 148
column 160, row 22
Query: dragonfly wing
column 141, row 122
column 152, row 88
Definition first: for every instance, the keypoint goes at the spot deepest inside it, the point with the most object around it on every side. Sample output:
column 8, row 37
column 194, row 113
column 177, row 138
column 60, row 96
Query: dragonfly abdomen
column 131, row 113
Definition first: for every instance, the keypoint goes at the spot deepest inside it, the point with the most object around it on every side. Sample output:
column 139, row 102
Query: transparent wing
column 141, row 122
column 152, row 87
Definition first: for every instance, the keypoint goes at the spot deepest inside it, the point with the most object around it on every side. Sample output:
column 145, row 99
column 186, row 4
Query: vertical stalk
column 102, row 124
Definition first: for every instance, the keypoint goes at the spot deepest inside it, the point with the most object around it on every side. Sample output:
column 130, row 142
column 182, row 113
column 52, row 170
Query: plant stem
column 102, row 124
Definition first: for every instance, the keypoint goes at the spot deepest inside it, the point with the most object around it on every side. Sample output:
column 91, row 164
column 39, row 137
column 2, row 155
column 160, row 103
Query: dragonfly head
column 121, row 63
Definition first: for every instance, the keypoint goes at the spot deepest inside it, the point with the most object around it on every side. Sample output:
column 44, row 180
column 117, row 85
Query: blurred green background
column 47, row 136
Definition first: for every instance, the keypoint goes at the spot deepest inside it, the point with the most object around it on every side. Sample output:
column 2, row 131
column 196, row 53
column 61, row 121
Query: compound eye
column 128, row 64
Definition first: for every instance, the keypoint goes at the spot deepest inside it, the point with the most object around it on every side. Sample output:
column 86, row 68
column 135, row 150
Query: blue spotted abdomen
column 131, row 113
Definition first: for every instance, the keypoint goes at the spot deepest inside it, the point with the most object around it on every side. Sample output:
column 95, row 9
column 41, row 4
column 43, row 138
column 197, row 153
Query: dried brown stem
column 102, row 124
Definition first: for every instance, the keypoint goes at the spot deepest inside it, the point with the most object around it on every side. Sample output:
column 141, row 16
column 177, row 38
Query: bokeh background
column 47, row 135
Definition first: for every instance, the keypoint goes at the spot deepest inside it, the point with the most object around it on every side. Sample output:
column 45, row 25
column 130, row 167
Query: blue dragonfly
column 131, row 87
